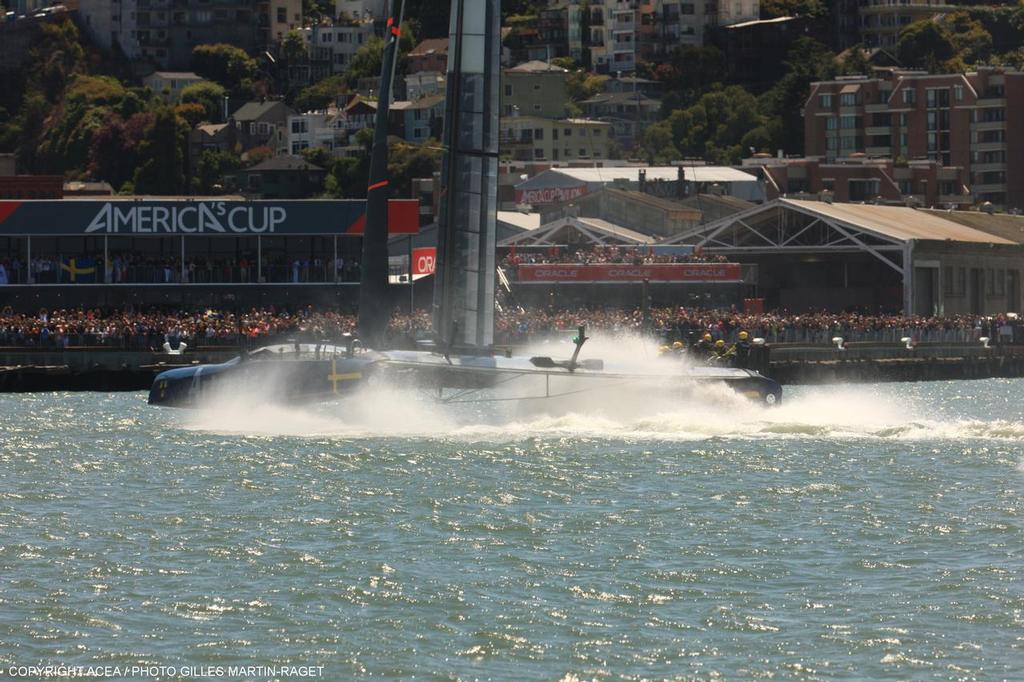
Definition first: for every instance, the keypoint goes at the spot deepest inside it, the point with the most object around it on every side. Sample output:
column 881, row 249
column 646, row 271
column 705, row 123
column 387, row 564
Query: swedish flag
column 78, row 270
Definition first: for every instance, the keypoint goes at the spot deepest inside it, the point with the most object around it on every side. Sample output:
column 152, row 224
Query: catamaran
column 460, row 365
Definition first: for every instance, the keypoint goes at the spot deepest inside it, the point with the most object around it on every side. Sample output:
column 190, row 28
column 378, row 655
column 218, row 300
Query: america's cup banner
column 198, row 217
column 626, row 272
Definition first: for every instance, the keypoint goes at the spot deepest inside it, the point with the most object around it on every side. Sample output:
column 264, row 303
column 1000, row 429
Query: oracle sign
column 549, row 195
column 626, row 272
column 424, row 260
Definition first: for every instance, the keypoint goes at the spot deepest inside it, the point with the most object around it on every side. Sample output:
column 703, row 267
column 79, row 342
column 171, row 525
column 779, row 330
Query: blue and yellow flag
column 78, row 270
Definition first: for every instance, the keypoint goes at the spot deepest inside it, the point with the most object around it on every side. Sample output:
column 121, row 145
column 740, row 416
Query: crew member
column 705, row 345
column 678, row 349
column 721, row 353
column 742, row 348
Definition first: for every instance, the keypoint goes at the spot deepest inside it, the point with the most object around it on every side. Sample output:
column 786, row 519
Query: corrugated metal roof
column 562, row 177
column 897, row 222
column 524, row 221
column 1000, row 224
column 617, row 230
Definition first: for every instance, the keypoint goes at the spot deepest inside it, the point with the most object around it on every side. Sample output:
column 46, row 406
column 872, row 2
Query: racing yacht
column 461, row 364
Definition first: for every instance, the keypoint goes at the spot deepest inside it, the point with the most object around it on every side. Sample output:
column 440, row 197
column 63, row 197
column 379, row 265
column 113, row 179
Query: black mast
column 464, row 278
column 374, row 308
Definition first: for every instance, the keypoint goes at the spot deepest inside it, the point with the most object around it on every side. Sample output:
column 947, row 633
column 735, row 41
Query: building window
column 958, row 93
column 909, row 96
column 825, row 101
column 847, row 122
column 832, row 123
column 538, row 133
column 848, row 99
column 282, row 15
column 508, row 91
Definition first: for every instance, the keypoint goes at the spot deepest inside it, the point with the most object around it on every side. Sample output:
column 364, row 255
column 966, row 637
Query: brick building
column 970, row 120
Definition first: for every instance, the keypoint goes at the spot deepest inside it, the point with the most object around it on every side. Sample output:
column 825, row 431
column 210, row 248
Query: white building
column 169, row 84
column 618, row 32
column 424, row 84
column 336, row 44
column 326, row 129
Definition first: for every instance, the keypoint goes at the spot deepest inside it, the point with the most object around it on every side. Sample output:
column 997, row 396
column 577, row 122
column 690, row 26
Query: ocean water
column 853, row 533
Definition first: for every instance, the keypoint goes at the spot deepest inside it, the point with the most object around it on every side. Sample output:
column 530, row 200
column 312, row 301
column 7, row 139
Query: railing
column 323, row 273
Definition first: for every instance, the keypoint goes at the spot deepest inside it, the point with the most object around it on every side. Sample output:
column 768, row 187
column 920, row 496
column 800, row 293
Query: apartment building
column 532, row 138
column 613, row 34
column 972, row 120
column 534, row 89
column 336, row 43
column 163, row 32
column 922, row 183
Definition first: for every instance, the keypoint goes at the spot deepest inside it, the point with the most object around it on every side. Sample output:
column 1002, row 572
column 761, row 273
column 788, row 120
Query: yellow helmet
column 707, row 336
column 720, row 343
column 743, row 336
column 663, row 349
column 677, row 345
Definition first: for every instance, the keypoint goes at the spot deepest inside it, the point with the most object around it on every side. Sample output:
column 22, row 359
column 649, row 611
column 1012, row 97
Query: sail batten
column 464, row 285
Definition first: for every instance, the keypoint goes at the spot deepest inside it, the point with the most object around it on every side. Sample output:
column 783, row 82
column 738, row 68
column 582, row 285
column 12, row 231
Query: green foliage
column 226, row 64
column 771, row 9
column 807, row 61
column 407, row 161
column 715, row 128
column 293, row 47
column 209, row 95
column 257, row 155
column 161, row 167
column 57, row 57
column 318, row 156
column 688, row 73
column 581, row 85
column 347, row 179
column 193, row 114
column 320, row 95
column 365, row 63
column 211, row 168
column 925, row 44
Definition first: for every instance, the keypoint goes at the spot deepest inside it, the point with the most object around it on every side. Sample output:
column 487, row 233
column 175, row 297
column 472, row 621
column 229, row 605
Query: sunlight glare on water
column 854, row 532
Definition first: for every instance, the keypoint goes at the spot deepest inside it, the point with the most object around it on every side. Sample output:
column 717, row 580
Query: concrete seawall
column 98, row 369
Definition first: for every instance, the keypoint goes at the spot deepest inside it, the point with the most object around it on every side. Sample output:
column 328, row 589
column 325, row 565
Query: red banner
column 549, row 195
column 403, row 218
column 625, row 272
column 424, row 260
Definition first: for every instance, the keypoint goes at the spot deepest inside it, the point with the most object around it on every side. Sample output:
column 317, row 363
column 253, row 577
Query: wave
column 715, row 412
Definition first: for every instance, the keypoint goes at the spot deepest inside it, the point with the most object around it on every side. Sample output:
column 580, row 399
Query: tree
column 211, row 168
column 971, row 41
column 713, row 129
column 226, row 64
column 192, row 114
column 293, row 47
column 807, row 61
column 408, row 161
column 321, row 95
column 209, row 95
column 161, row 155
column 925, row 44
column 365, row 63
column 771, row 9
column 658, row 146
column 114, row 151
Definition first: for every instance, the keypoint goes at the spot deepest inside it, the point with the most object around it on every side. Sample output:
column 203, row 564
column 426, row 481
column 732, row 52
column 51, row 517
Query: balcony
column 988, row 146
column 984, row 167
column 988, row 125
column 876, row 108
column 878, row 151
column 991, row 101
column 991, row 188
column 878, row 130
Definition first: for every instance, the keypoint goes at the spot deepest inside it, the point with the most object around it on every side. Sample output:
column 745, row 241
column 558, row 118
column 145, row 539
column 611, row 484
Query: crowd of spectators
column 635, row 255
column 137, row 268
column 149, row 329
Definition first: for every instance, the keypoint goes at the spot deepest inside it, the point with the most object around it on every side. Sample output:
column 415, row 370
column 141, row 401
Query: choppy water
column 859, row 533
